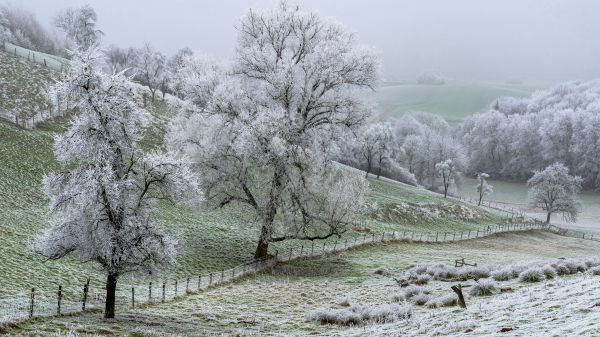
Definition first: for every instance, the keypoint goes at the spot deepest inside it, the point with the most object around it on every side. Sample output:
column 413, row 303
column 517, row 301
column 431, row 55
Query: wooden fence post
column 436, row 236
column 301, row 249
column 86, row 287
column 150, row 292
column 461, row 299
column 176, row 290
column 210, row 277
column 132, row 297
column 31, row 302
column 222, row 275
column 164, row 286
column 312, row 247
column 59, row 300
column 187, row 285
column 200, row 282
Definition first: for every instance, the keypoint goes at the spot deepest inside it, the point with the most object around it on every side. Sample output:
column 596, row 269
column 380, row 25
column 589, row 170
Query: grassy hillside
column 454, row 100
column 23, row 87
column 211, row 239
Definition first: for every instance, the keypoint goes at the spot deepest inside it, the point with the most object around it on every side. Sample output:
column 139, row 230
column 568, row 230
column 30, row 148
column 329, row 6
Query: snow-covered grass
column 278, row 303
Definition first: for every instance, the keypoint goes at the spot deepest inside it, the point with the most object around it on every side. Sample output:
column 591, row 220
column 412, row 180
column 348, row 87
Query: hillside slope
column 211, row 239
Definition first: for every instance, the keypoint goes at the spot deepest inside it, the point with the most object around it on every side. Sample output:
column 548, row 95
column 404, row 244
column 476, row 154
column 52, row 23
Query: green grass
column 23, row 87
column 276, row 303
column 211, row 239
column 514, row 194
column 454, row 100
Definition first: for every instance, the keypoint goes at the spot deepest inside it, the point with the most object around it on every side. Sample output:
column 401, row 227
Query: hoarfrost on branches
column 262, row 129
column 103, row 200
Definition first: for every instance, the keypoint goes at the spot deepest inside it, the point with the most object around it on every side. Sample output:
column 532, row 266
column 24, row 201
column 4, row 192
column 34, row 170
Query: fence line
column 37, row 303
column 312, row 250
column 50, row 61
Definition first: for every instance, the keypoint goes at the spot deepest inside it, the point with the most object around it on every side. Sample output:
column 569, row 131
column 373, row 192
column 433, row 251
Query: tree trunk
column 262, row 249
column 111, row 290
column 548, row 217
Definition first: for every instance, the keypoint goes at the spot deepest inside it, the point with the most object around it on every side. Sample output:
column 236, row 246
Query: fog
column 466, row 39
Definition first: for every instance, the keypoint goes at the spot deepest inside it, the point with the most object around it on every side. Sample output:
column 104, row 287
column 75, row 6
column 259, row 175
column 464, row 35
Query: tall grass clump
column 533, row 274
column 483, row 287
column 362, row 314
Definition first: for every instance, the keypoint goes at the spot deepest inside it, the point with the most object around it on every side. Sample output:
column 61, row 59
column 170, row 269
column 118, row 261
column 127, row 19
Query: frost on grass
column 594, row 270
column 410, row 292
column 533, row 274
column 362, row 314
column 526, row 272
column 483, row 287
column 446, row 300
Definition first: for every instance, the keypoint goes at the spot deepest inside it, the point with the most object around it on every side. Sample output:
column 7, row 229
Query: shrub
column 423, row 279
column 503, row 274
column 561, row 268
column 447, row 300
column 362, row 314
column 533, row 274
column 483, row 287
column 592, row 262
column 478, row 272
column 594, row 270
column 549, row 272
column 413, row 290
column 421, row 298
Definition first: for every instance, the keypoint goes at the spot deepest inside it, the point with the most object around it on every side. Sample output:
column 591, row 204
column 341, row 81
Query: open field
column 454, row 100
column 514, row 195
column 277, row 303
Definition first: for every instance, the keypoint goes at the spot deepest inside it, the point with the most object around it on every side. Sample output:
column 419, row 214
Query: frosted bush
column 423, row 279
column 447, row 300
column 478, row 272
column 592, row 262
column 533, row 274
column 594, row 270
column 549, row 272
column 483, row 287
column 421, row 298
column 362, row 314
column 503, row 274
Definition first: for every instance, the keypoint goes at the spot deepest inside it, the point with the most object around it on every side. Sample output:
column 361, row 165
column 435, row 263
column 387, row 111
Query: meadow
column 455, row 100
column 278, row 303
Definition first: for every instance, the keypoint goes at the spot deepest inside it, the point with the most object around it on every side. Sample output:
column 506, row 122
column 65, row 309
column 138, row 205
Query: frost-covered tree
column 519, row 135
column 482, row 187
column 151, row 69
column 120, row 59
column 375, row 144
column 175, row 65
column 20, row 27
column 431, row 77
column 555, row 191
column 80, row 26
column 447, row 171
column 262, row 135
column 103, row 200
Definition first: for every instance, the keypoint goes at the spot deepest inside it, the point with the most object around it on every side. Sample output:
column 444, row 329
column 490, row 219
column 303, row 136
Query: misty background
column 463, row 39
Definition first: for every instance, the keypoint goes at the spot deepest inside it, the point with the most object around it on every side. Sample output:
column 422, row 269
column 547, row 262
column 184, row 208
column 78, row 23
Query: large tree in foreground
column 262, row 135
column 102, row 201
column 555, row 191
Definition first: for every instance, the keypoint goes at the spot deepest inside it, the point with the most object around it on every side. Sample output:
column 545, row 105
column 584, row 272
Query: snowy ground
column 278, row 303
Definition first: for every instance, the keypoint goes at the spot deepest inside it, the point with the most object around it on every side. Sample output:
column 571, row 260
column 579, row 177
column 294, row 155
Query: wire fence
column 50, row 61
column 140, row 292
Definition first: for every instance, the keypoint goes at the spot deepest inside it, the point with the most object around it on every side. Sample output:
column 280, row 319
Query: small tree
column 151, row 69
column 102, row 203
column 483, row 188
column 555, row 190
column 375, row 145
column 447, row 171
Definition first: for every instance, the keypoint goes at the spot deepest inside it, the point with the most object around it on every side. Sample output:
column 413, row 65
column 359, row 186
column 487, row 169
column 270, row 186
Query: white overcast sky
column 491, row 39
